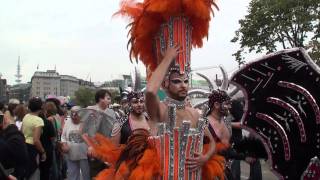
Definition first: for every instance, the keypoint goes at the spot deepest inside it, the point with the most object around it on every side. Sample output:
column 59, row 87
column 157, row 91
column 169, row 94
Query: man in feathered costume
column 136, row 118
column 162, row 35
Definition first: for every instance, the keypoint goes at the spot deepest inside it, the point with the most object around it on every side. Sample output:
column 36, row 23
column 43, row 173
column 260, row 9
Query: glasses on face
column 179, row 81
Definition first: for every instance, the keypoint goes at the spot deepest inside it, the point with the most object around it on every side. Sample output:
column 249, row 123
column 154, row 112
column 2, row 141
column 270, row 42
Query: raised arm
column 154, row 83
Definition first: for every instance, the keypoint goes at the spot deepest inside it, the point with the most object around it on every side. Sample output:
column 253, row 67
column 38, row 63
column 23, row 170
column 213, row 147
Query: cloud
column 80, row 37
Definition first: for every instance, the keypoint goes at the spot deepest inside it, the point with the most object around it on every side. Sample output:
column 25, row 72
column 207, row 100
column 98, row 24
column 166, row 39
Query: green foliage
column 240, row 60
column 277, row 24
column 314, row 52
column 84, row 97
column 115, row 95
column 197, row 83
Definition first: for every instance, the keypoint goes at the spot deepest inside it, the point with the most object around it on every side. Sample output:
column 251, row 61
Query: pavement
column 245, row 170
column 266, row 173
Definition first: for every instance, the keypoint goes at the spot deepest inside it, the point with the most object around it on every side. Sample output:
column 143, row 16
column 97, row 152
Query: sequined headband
column 136, row 95
column 218, row 96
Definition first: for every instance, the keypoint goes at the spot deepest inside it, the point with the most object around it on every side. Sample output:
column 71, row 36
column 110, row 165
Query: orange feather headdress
column 159, row 23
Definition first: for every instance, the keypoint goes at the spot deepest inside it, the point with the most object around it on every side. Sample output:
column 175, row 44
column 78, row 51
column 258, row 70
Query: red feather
column 146, row 18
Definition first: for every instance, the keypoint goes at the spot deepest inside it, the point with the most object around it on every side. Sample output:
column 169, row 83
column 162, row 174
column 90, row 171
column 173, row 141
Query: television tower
column 18, row 75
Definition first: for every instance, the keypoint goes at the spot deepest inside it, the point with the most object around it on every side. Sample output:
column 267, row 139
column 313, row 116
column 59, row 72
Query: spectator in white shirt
column 75, row 148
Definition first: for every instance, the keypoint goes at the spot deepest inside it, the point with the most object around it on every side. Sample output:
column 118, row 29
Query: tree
column 278, row 24
column 115, row 95
column 314, row 51
column 84, row 97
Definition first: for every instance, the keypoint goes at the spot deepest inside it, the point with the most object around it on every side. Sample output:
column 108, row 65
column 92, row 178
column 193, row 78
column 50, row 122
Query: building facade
column 86, row 84
column 20, row 92
column 3, row 90
column 45, row 83
column 52, row 83
column 68, row 85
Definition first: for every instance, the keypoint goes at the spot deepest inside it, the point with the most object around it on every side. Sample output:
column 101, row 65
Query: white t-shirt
column 72, row 136
column 19, row 124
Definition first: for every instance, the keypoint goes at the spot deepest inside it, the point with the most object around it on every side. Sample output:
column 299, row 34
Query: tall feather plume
column 146, row 18
column 136, row 78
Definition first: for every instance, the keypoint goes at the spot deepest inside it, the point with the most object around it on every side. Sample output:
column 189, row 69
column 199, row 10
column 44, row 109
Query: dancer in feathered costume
column 136, row 118
column 162, row 34
column 136, row 160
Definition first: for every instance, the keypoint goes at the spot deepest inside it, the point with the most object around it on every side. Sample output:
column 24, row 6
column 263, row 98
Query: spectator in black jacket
column 248, row 149
column 47, row 138
column 13, row 150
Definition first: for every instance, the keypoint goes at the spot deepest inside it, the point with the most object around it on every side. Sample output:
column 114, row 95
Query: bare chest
column 185, row 115
column 217, row 127
column 139, row 123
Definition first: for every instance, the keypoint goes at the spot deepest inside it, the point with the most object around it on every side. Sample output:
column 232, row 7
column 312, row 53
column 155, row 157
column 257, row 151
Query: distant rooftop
column 20, row 86
column 48, row 73
column 68, row 77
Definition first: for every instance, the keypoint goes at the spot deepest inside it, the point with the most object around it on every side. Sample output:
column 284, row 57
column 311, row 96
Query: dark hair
column 57, row 103
column 11, row 108
column 216, row 96
column 20, row 111
column 50, row 108
column 101, row 94
column 35, row 104
column 42, row 116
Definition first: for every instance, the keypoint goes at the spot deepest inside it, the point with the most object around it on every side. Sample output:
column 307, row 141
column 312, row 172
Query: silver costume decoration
column 175, row 144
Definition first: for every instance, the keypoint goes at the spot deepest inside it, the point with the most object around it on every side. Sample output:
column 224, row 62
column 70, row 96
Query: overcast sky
column 81, row 38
